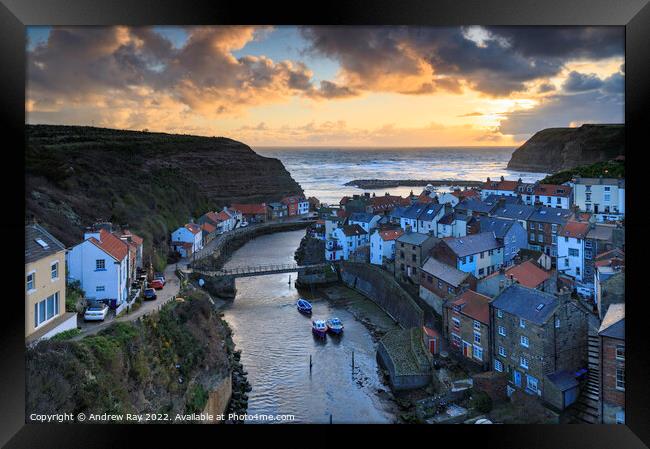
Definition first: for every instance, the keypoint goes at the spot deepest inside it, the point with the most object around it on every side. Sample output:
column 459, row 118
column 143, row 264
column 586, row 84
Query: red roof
column 290, row 199
column 462, row 194
column 111, row 245
column 193, row 228
column 553, row 190
column 390, row 234
column 212, row 216
column 425, row 198
column 474, row 305
column 207, row 227
column 501, row 185
column 388, row 202
column 251, row 209
column 528, row 274
column 430, row 332
column 575, row 229
column 134, row 238
column 223, row 216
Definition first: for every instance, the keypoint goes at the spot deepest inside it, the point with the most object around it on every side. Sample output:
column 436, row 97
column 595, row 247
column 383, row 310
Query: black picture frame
column 16, row 14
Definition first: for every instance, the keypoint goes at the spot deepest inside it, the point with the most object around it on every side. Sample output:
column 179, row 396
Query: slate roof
column 508, row 199
column 414, row 238
column 352, row 230
column 553, row 215
column 397, row 212
column 563, row 380
column 601, row 232
column 34, row 251
column 472, row 244
column 475, row 205
column 448, row 219
column 414, row 211
column 430, row 211
column 445, row 272
column 613, row 324
column 498, row 226
column 527, row 303
column 362, row 217
column 513, row 211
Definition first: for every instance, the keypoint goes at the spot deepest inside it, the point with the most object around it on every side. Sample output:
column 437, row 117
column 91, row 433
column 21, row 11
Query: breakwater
column 387, row 183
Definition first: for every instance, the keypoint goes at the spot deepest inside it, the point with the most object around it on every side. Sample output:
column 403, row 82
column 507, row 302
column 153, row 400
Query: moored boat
column 319, row 328
column 303, row 306
column 334, row 325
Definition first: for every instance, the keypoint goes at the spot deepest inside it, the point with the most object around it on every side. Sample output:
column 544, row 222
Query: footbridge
column 257, row 270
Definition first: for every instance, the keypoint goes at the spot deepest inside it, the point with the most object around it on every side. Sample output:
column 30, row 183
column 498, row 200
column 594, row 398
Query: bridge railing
column 253, row 269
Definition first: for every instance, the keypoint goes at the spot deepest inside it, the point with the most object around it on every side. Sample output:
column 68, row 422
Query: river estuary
column 276, row 343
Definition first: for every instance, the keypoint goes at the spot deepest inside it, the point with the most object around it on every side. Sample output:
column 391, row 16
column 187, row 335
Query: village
column 522, row 283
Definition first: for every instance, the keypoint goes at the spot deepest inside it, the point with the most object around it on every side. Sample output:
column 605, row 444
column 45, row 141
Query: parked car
column 243, row 224
column 157, row 284
column 160, row 277
column 96, row 312
column 149, row 293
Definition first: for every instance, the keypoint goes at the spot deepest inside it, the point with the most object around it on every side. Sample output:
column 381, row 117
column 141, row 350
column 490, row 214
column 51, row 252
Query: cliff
column 153, row 182
column 168, row 363
column 556, row 149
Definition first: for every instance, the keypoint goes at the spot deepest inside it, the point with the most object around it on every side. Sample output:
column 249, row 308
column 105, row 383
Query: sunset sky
column 319, row 86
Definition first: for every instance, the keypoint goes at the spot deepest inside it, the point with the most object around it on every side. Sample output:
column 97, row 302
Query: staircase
column 587, row 407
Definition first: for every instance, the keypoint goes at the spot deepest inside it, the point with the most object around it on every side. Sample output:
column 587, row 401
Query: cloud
column 493, row 60
column 579, row 82
column 545, row 87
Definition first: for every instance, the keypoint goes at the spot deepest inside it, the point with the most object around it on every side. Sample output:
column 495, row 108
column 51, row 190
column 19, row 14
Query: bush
column 65, row 335
column 74, row 296
column 197, row 398
column 481, row 401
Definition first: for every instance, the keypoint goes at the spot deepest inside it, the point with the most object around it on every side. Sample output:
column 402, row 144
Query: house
column 500, row 187
column 278, row 210
column 571, row 249
column 550, row 195
column 208, row 217
column 427, row 222
column 291, row 202
column 350, row 238
column 382, row 245
column 448, row 198
column 252, row 213
column 208, row 232
column 480, row 254
column 537, row 338
column 367, row 221
column 409, row 216
column 314, row 203
column 101, row 265
column 600, row 239
column 540, row 259
column 136, row 244
column 527, row 273
column 466, row 324
column 511, row 232
column 331, row 224
column 187, row 239
column 452, row 224
column 227, row 220
column 411, row 249
column 474, row 207
column 604, row 197
column 386, row 203
column 543, row 226
column 517, row 212
column 45, row 282
column 610, row 289
column 440, row 282
column 357, row 203
column 303, row 206
column 612, row 365
column 467, row 193
column 317, row 230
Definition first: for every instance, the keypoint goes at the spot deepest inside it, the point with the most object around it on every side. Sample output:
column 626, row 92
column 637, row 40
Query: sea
column 322, row 172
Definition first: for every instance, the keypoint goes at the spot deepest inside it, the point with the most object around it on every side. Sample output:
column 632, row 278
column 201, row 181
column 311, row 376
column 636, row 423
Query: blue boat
column 319, row 328
column 303, row 306
column 335, row 326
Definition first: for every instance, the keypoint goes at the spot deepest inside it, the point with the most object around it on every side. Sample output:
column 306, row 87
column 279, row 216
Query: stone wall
column 218, row 398
column 383, row 290
column 493, row 384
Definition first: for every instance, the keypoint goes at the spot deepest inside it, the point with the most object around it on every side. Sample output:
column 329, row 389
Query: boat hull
column 335, row 330
column 318, row 333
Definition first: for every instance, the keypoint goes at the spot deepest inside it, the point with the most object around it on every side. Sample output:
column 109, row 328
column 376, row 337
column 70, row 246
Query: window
column 456, row 322
column 531, row 237
column 100, row 264
column 522, row 323
column 482, row 254
column 481, row 271
column 554, row 228
column 587, row 188
column 558, row 200
column 540, row 238
column 620, row 352
column 587, row 196
column 523, row 362
column 498, row 366
column 46, row 309
column 477, row 325
column 100, row 288
column 413, row 257
column 471, row 259
column 477, row 353
column 54, row 270
column 548, row 199
column 440, row 285
column 573, row 252
column 607, row 197
column 620, row 378
column 566, row 262
column 577, row 271
column 554, row 239
column 607, row 188
column 455, row 340
column 429, row 278
column 524, row 341
column 450, row 290
column 31, row 281
column 502, row 331
column 500, row 313
column 477, row 337
column 532, row 226
column 491, row 252
column 540, row 226
column 502, row 351
column 557, row 322
column 531, row 383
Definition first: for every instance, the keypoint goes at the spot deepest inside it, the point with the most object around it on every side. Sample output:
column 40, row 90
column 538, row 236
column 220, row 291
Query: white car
column 243, row 224
column 96, row 313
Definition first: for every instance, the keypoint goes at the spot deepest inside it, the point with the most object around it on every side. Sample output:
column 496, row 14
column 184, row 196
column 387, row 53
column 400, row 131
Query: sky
column 328, row 85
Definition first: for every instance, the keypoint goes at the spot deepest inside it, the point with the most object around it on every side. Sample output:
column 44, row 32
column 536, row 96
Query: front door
column 517, row 378
column 467, row 349
column 595, row 208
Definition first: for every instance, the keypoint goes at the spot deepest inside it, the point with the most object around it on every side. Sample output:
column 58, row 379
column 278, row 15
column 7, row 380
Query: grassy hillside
column 608, row 169
column 153, row 182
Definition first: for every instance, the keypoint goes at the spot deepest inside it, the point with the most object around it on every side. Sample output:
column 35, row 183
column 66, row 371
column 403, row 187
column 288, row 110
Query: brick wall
column 610, row 394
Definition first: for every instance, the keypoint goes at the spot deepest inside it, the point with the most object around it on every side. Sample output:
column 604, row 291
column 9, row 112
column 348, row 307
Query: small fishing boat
column 319, row 328
column 334, row 325
column 303, row 306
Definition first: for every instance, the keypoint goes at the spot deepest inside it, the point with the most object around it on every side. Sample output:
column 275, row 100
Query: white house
column 549, row 195
column 303, row 206
column 571, row 249
column 331, row 225
column 382, row 245
column 501, row 187
column 367, row 221
column 448, row 198
column 604, row 197
column 187, row 239
column 452, row 225
column 100, row 263
column 428, row 218
column 350, row 238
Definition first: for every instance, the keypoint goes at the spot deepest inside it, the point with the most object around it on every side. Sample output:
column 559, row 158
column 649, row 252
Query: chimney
column 564, row 295
column 488, row 180
column 408, row 229
column 502, row 178
column 501, row 202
